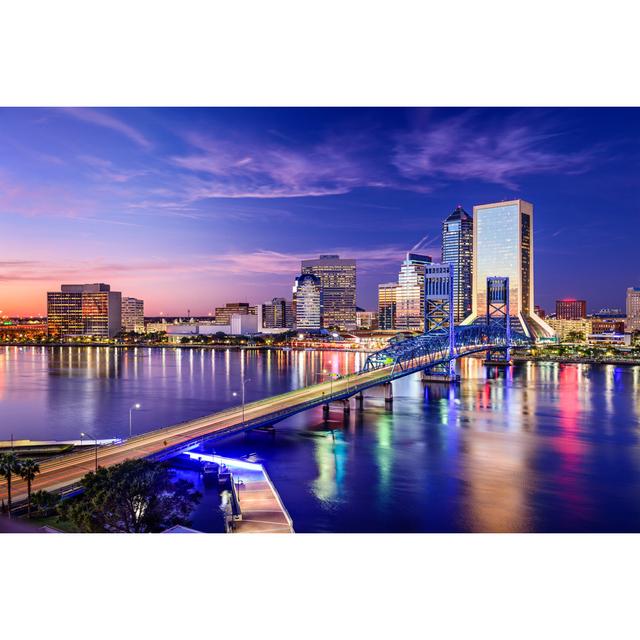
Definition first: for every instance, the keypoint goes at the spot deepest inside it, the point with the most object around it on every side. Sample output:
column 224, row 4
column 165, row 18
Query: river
column 541, row 447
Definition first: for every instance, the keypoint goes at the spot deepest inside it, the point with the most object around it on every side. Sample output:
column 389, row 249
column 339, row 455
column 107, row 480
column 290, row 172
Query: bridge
column 434, row 351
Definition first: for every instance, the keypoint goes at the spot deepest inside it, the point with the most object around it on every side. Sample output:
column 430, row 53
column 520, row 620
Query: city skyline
column 191, row 208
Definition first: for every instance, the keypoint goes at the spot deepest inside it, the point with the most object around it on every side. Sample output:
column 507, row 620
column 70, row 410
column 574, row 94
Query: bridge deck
column 67, row 470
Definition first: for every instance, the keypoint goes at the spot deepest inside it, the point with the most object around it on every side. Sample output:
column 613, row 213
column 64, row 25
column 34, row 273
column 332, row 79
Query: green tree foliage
column 135, row 496
column 44, row 503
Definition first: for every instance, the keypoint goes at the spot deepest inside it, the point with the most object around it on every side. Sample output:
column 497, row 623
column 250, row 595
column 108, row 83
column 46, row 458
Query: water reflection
column 537, row 447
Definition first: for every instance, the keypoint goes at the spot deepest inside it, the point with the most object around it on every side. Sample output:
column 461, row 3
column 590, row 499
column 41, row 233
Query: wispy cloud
column 106, row 120
column 267, row 169
column 458, row 149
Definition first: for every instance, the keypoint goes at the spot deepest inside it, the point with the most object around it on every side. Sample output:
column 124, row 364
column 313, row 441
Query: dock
column 261, row 508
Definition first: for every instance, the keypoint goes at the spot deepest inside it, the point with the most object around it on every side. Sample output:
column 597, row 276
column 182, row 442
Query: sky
column 189, row 208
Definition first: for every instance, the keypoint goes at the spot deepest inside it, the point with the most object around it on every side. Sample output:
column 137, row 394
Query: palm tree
column 29, row 469
column 9, row 464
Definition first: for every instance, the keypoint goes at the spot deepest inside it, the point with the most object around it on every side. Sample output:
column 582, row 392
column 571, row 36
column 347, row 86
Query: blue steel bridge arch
column 432, row 349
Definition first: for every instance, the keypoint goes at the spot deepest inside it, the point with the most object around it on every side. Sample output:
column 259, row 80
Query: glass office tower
column 338, row 279
column 410, row 293
column 84, row 310
column 503, row 247
column 387, row 305
column 308, row 301
column 457, row 249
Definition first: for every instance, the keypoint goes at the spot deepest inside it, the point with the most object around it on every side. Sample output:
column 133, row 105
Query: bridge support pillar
column 346, row 407
column 325, row 411
column 359, row 401
column 434, row 376
column 388, row 394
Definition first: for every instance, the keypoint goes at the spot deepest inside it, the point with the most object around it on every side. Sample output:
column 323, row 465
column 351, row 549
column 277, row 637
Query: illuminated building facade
column 387, row 305
column 223, row 314
column 503, row 246
column 367, row 319
column 84, row 310
column 132, row 314
column 277, row 314
column 569, row 309
column 633, row 309
column 410, row 293
column 565, row 328
column 338, row 280
column 457, row 249
column 307, row 301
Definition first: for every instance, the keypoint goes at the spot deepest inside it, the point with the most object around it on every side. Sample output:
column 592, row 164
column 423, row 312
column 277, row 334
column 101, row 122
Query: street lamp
column 135, row 406
column 88, row 435
column 243, row 382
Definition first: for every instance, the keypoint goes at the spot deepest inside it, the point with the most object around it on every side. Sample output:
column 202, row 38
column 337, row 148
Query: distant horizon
column 192, row 208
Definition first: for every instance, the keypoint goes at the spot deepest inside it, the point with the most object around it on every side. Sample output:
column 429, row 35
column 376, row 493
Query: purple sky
column 190, row 208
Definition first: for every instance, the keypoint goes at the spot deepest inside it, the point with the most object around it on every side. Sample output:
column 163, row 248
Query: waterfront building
column 410, row 293
column 308, row 298
column 277, row 314
column 607, row 325
column 570, row 309
column 633, row 309
column 457, row 249
column 613, row 339
column 132, row 314
column 84, row 310
column 503, row 246
column 338, row 280
column 568, row 330
column 387, row 305
column 223, row 314
column 367, row 319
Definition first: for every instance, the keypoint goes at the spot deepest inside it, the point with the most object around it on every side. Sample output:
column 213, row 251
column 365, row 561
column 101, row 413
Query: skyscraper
column 84, row 310
column 338, row 280
column 132, row 314
column 307, row 301
column 387, row 305
column 633, row 310
column 457, row 249
column 277, row 314
column 503, row 246
column 569, row 309
column 410, row 293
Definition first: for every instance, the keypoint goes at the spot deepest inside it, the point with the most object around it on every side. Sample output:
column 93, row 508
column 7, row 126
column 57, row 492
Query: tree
column 44, row 502
column 29, row 469
column 9, row 465
column 135, row 496
column 575, row 336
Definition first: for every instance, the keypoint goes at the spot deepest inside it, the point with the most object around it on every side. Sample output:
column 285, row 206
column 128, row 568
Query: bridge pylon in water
column 499, row 316
column 439, row 318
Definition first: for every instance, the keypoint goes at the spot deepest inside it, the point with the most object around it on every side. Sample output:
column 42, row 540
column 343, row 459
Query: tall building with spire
column 457, row 249
column 503, row 247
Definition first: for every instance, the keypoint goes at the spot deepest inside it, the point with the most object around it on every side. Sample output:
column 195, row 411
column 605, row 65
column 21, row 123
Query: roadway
column 67, row 470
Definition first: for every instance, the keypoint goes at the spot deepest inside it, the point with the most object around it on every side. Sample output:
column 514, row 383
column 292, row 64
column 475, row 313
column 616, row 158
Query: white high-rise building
column 410, row 293
column 307, row 302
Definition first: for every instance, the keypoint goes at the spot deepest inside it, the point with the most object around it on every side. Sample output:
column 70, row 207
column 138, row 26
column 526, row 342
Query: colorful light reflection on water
column 538, row 447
